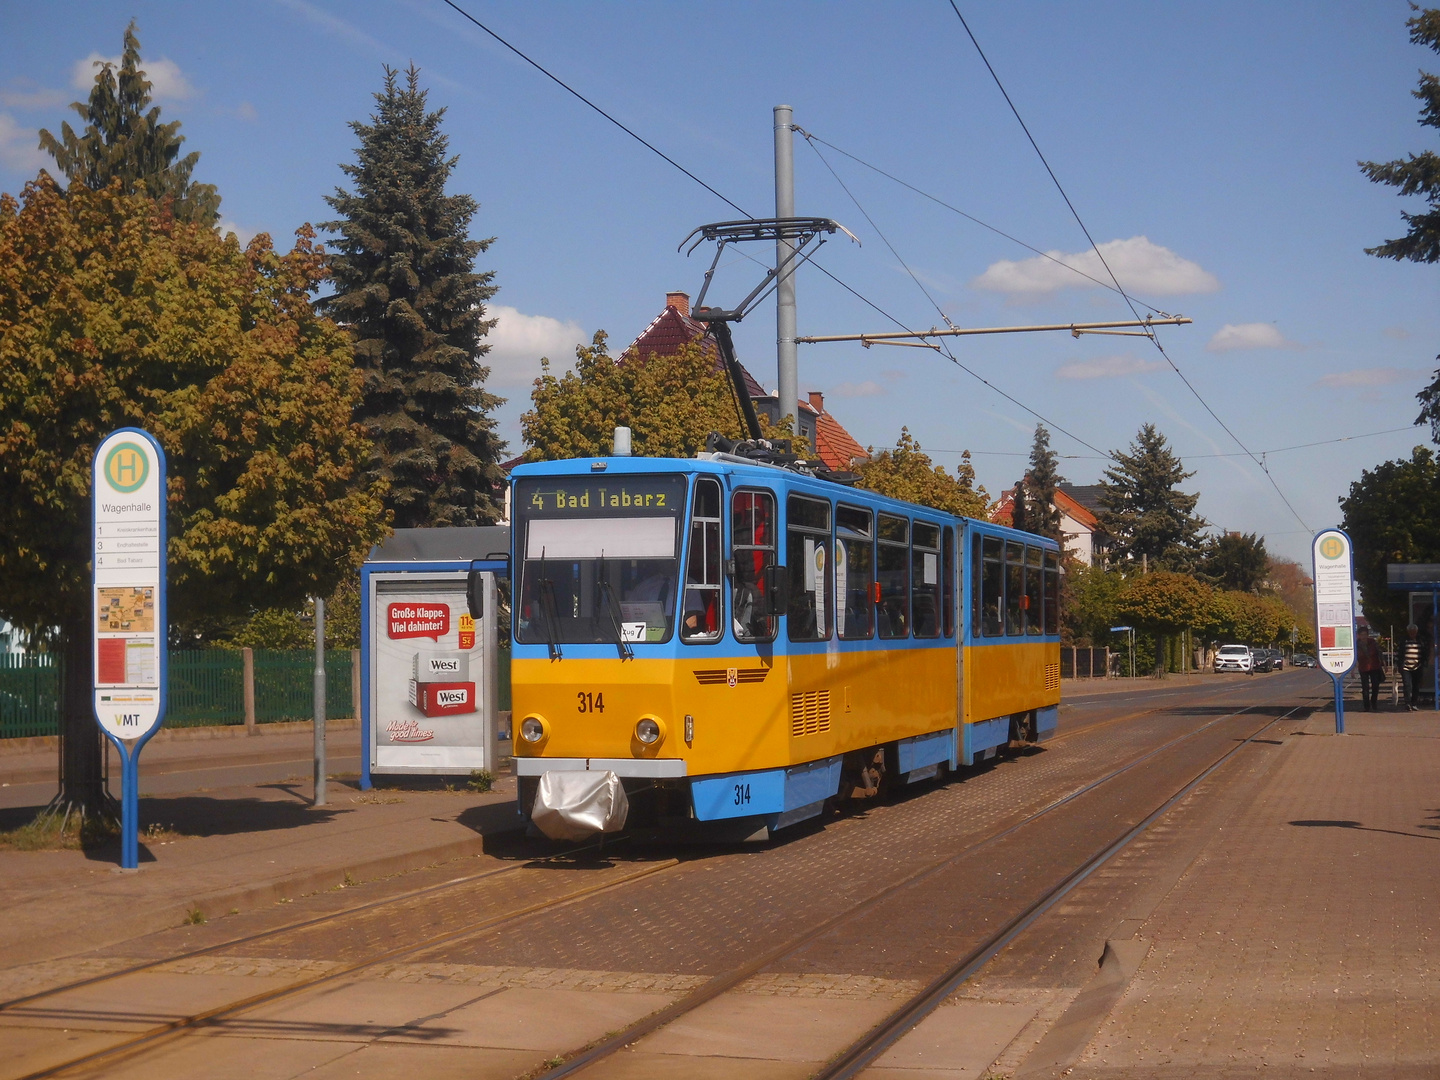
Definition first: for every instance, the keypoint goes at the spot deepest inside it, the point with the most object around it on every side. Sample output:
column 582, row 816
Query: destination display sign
column 601, row 496
column 1334, row 601
column 128, row 606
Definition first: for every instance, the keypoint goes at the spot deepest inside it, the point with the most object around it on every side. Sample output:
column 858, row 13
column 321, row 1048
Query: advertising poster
column 428, row 707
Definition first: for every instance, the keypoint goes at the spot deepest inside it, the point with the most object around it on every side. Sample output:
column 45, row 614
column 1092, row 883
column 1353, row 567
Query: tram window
column 893, row 573
column 1034, row 589
column 993, row 588
column 752, row 542
column 854, row 571
column 925, row 580
column 947, row 581
column 700, row 620
column 807, row 557
column 1052, row 592
column 1014, row 588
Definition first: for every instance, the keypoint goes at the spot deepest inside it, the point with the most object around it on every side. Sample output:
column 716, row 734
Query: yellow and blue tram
column 737, row 640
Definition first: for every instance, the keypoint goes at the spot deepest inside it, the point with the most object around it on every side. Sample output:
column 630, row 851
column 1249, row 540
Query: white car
column 1235, row 658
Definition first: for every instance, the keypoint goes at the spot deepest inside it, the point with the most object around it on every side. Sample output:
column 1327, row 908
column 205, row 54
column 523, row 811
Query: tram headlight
column 649, row 730
column 532, row 729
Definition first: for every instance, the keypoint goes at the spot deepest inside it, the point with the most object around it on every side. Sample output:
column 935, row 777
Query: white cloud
column 246, row 111
column 243, row 233
column 1141, row 267
column 1366, row 377
column 1398, row 333
column 518, row 341
column 167, row 81
column 20, row 147
column 1107, row 367
column 1252, row 335
column 868, row 388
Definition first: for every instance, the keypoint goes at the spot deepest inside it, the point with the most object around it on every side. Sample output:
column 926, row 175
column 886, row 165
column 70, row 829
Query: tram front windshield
column 599, row 557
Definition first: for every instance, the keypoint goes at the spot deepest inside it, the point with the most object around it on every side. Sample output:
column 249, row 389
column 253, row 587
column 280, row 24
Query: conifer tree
column 1041, row 482
column 1019, row 510
column 1418, row 174
column 406, row 287
column 123, row 141
column 1144, row 511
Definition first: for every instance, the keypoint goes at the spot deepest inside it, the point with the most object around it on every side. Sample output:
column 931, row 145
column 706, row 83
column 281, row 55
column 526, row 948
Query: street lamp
column 1131, row 630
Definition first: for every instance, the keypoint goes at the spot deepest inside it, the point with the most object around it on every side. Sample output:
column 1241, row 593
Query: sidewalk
column 1304, row 939
column 239, row 846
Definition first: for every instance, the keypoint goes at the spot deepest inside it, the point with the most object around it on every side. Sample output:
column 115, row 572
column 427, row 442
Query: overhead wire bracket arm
column 1075, row 329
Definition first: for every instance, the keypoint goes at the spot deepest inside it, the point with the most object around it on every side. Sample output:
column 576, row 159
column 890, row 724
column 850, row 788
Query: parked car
column 1279, row 658
column 1300, row 659
column 1235, row 658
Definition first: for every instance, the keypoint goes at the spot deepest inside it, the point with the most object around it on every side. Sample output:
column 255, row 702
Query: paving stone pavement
column 1303, row 940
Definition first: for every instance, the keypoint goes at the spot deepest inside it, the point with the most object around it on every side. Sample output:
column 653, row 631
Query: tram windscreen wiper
column 549, row 613
column 612, row 607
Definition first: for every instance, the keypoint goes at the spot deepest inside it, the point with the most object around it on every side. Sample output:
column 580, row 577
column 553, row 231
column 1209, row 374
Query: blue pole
column 1339, row 705
column 1434, row 637
column 129, row 811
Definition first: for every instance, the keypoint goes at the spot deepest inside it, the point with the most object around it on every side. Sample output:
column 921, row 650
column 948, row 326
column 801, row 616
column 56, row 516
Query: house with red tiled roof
column 674, row 327
column 1085, row 539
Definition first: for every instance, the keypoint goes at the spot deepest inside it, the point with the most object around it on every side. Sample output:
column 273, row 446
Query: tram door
column 954, row 608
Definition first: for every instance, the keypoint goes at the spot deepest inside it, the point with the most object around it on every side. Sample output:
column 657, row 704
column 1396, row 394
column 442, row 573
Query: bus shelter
column 1421, row 582
column 434, row 607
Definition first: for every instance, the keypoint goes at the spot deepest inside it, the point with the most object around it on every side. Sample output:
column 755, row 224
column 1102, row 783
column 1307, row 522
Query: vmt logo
column 1332, row 547
column 126, row 467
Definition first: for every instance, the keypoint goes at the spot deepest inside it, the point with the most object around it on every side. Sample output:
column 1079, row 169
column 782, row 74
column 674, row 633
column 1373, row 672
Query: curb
column 167, row 915
column 29, row 744
column 1063, row 1044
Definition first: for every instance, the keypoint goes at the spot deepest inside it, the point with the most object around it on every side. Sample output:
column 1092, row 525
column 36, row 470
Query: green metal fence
column 206, row 688
column 29, row 695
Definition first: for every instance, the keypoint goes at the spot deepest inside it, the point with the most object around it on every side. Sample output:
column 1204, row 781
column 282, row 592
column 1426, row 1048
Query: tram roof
column 769, row 475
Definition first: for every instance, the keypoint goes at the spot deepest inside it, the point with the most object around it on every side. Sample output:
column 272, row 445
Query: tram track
column 331, row 918
column 161, row 1034
column 901, row 1021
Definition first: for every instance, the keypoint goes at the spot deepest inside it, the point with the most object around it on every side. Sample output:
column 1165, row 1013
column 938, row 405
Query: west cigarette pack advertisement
column 427, row 703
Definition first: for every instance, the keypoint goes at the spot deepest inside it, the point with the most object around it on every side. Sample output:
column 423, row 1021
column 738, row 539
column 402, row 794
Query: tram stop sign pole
column 128, row 607
column 1334, row 574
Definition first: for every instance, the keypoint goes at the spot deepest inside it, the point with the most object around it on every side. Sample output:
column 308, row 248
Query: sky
column 1209, row 149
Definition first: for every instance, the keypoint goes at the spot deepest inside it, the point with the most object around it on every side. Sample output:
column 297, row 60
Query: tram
column 742, row 643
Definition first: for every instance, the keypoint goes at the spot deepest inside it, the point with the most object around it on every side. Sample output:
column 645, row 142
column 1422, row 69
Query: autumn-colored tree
column 1165, row 603
column 1248, row 618
column 113, row 313
column 123, row 140
column 669, row 401
column 906, row 472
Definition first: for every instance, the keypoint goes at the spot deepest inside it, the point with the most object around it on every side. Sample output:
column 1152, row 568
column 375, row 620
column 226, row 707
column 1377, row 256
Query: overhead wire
column 576, row 93
column 811, row 137
column 1154, row 338
column 941, row 347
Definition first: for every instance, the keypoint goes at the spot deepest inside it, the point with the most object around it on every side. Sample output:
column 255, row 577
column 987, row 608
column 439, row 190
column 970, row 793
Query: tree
column 1235, row 561
column 906, row 472
column 1143, row 511
column 669, row 401
column 114, row 313
column 1418, row 174
column 1391, row 516
column 1042, row 480
column 1165, row 603
column 1094, row 593
column 406, row 288
column 122, row 141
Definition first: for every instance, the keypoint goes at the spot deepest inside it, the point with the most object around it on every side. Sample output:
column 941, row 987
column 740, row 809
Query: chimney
column 680, row 301
column 817, row 401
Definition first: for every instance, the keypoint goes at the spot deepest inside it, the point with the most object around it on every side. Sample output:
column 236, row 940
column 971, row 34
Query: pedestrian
column 1371, row 665
column 1412, row 664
